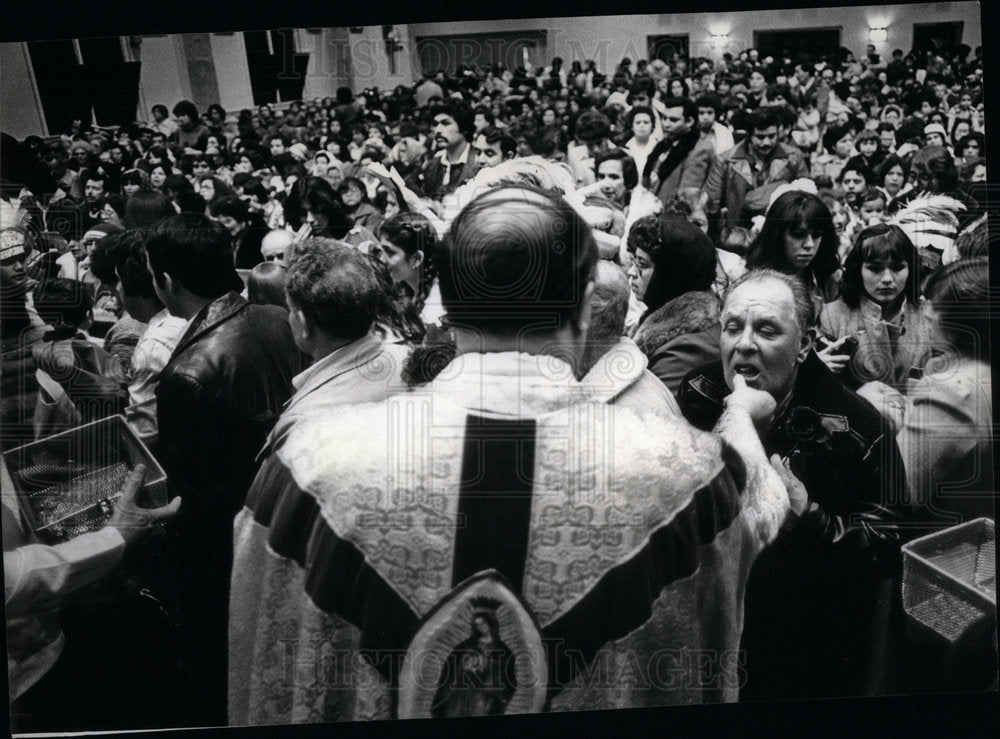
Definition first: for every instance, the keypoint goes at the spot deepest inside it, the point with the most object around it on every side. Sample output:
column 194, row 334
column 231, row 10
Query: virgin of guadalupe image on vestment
column 477, row 653
column 478, row 678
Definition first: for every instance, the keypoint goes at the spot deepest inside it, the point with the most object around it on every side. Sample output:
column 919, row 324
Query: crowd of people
column 379, row 344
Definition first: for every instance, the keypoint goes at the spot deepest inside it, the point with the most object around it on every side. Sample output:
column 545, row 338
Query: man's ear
column 582, row 320
column 806, row 345
column 417, row 257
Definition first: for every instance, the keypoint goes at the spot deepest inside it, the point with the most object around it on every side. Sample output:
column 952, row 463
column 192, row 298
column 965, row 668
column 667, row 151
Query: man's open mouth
column 749, row 372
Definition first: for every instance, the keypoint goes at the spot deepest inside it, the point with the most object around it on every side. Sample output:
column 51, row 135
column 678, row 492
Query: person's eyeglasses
column 275, row 258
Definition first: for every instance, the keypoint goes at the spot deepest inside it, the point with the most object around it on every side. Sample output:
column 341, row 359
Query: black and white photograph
column 448, row 366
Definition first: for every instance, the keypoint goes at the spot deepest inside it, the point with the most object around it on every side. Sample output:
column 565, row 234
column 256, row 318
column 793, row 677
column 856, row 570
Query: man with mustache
column 454, row 162
column 742, row 179
column 816, row 595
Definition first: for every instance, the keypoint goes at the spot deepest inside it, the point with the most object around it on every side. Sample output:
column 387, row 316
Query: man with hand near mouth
column 815, row 597
column 454, row 162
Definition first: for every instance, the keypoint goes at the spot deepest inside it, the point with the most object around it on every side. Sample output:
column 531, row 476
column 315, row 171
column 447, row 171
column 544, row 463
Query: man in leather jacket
column 217, row 400
column 815, row 595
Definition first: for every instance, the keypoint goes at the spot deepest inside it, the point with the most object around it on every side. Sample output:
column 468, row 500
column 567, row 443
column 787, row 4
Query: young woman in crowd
column 892, row 175
column 798, row 237
column 211, row 187
column 406, row 246
column 355, row 196
column 641, row 121
column 876, row 327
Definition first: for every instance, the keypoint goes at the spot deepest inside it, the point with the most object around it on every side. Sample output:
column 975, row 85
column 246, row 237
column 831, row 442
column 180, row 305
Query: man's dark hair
column 177, row 183
column 495, row 136
column 146, row 208
column 161, row 108
column 121, row 257
column 710, row 100
column 459, row 111
column 690, row 109
column 63, row 303
column 104, row 257
column 130, row 266
column 334, row 285
column 516, row 258
column 630, row 174
column 486, row 113
column 763, row 118
column 98, row 177
column 277, row 137
column 186, row 107
column 189, row 202
column 195, row 251
column 231, row 207
column 592, row 126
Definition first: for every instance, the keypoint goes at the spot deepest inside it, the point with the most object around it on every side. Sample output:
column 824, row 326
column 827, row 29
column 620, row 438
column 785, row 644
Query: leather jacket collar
column 216, row 312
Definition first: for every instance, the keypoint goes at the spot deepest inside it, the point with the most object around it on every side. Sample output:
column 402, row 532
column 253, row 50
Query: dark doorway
column 277, row 71
column 482, row 50
column 668, row 48
column 815, row 42
column 103, row 89
column 937, row 37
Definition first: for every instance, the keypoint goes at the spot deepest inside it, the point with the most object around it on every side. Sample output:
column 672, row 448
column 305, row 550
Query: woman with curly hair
column 408, row 242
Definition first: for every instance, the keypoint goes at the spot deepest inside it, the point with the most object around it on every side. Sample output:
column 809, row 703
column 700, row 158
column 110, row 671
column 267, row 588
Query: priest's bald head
column 516, row 271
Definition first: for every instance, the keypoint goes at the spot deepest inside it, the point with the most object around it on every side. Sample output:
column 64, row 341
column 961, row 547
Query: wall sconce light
column 878, row 35
column 719, row 40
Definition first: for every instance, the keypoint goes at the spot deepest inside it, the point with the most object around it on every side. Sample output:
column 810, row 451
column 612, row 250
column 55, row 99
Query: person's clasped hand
column 131, row 520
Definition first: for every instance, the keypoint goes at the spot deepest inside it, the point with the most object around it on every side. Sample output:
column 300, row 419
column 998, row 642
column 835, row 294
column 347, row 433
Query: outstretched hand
column 133, row 521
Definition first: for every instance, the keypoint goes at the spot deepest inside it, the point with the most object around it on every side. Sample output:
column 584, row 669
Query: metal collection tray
column 949, row 580
column 68, row 483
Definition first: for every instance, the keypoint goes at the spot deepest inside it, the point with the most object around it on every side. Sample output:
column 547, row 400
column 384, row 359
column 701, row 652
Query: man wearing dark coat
column 814, row 596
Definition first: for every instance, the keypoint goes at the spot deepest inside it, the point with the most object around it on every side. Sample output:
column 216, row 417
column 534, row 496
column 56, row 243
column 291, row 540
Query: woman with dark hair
column 408, row 242
column 247, row 229
column 680, row 329
column 798, row 238
column 216, row 121
column 191, row 135
column 355, row 196
column 678, row 88
column 134, row 180
column 891, row 175
column 948, row 209
column 954, row 393
column 642, row 122
column 211, row 187
column 113, row 210
column 876, row 325
column 147, row 208
column 315, row 203
column 159, row 173
column 838, row 142
column 971, row 146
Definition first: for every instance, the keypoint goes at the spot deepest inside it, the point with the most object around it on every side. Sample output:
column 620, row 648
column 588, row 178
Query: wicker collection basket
column 949, row 582
column 68, row 483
